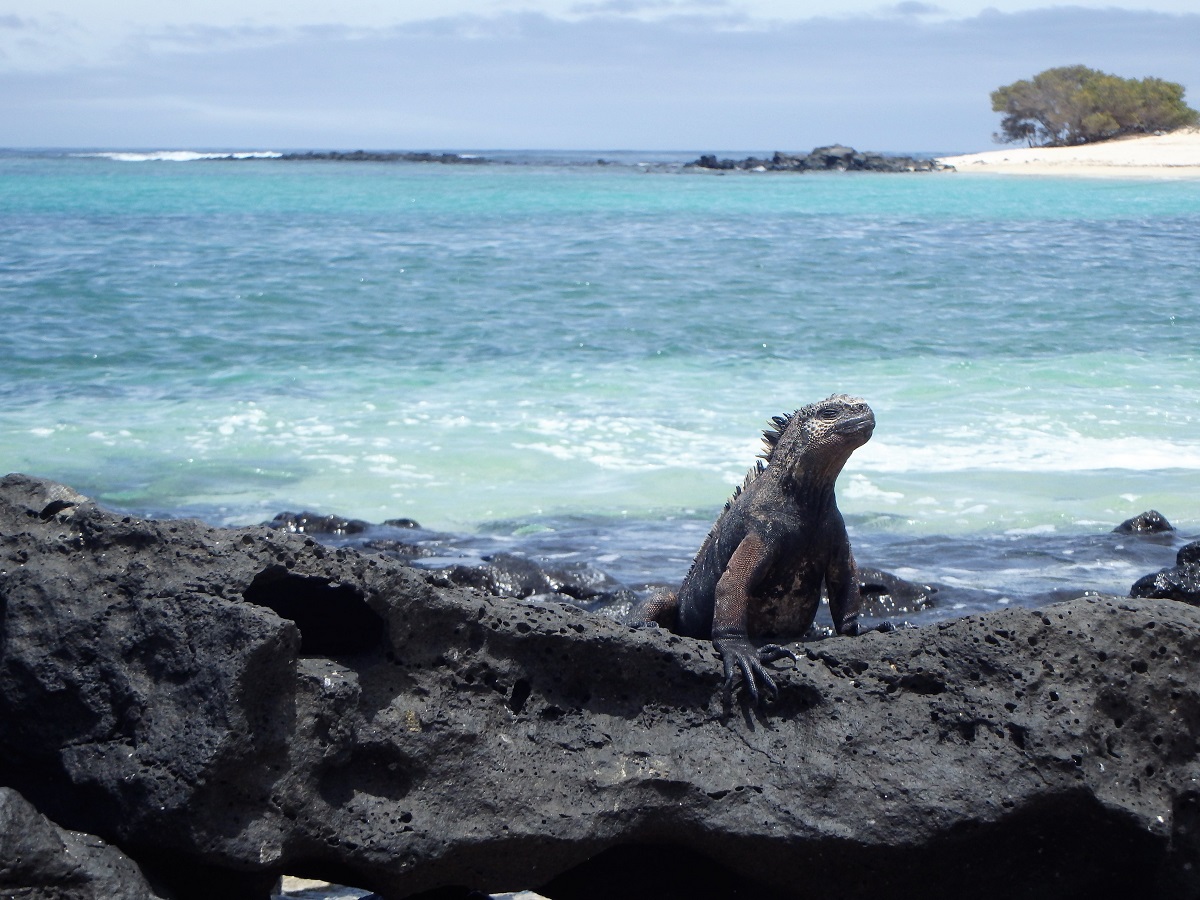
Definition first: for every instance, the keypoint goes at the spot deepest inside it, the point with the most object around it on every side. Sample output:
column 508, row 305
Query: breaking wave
column 182, row 155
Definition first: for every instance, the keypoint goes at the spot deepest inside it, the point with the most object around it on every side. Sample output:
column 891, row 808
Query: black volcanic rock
column 383, row 156
column 1180, row 582
column 510, row 575
column 228, row 705
column 834, row 158
column 40, row 860
column 1149, row 522
column 315, row 523
column 885, row 595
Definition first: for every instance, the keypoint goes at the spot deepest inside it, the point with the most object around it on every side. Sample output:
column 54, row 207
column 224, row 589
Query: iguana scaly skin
column 760, row 571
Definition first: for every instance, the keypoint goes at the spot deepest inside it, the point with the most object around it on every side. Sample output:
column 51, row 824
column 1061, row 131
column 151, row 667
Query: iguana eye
column 830, row 413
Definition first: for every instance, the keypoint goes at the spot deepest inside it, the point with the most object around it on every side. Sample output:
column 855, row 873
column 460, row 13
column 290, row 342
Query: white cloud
column 907, row 80
column 645, row 7
column 914, row 8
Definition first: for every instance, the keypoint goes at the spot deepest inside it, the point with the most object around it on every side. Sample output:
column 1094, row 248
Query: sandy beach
column 1173, row 155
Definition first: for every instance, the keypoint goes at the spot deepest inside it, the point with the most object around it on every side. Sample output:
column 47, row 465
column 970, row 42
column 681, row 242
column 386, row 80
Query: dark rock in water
column 499, row 574
column 40, row 860
column 404, row 551
column 314, row 523
column 885, row 595
column 227, row 705
column 401, row 523
column 835, row 158
column 1150, row 522
column 509, row 575
column 1180, row 582
column 503, row 575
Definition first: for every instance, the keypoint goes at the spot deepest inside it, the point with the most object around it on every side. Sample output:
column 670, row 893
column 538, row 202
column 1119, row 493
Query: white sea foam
column 249, row 420
column 860, row 488
column 628, row 444
column 1031, row 453
column 1036, row 529
column 181, row 155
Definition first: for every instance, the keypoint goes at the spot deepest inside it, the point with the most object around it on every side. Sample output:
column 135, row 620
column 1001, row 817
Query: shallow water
column 577, row 359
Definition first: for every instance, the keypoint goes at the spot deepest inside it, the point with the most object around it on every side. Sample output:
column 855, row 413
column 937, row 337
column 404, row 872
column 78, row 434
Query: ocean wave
column 1044, row 454
column 181, row 155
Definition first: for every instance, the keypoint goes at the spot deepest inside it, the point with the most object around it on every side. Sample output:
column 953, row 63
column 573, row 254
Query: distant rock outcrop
column 835, row 158
column 384, row 156
column 230, row 705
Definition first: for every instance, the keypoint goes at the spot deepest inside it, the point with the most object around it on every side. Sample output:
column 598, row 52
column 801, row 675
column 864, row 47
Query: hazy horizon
column 685, row 75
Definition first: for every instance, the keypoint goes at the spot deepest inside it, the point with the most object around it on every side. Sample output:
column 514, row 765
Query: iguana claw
column 740, row 656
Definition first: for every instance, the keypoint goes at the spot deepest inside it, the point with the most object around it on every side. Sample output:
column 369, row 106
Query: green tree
column 1077, row 105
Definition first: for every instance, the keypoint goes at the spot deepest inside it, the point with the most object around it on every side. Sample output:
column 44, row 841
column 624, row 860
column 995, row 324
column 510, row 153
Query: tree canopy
column 1077, row 105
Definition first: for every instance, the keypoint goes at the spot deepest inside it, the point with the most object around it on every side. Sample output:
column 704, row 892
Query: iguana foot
column 740, row 656
column 771, row 652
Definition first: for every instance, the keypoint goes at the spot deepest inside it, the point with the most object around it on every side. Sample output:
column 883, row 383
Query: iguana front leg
column 743, row 572
column 845, row 598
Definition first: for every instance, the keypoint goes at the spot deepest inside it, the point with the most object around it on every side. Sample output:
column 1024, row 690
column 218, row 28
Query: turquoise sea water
column 511, row 349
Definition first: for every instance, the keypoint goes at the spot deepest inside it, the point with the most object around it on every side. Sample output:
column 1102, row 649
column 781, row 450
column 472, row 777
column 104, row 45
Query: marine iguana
column 780, row 537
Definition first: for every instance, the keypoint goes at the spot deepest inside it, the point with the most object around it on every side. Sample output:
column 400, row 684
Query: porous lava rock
column 40, row 861
column 229, row 705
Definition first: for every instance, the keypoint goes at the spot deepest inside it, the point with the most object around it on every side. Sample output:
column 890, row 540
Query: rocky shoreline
column 193, row 712
column 832, row 158
column 502, row 574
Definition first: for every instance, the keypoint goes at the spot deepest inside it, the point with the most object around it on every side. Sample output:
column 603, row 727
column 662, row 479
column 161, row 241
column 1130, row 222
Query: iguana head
column 819, row 437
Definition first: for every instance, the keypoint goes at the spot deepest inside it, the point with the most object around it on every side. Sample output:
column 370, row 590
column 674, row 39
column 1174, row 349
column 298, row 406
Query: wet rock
column 503, row 575
column 314, row 523
column 229, row 705
column 885, row 595
column 40, row 860
column 499, row 574
column 404, row 551
column 401, row 523
column 510, row 575
column 1150, row 522
column 1180, row 582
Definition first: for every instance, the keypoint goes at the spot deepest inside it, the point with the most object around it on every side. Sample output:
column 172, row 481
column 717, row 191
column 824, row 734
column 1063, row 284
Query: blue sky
column 703, row 75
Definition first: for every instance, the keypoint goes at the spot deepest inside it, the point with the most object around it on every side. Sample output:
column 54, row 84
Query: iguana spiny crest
column 797, row 438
